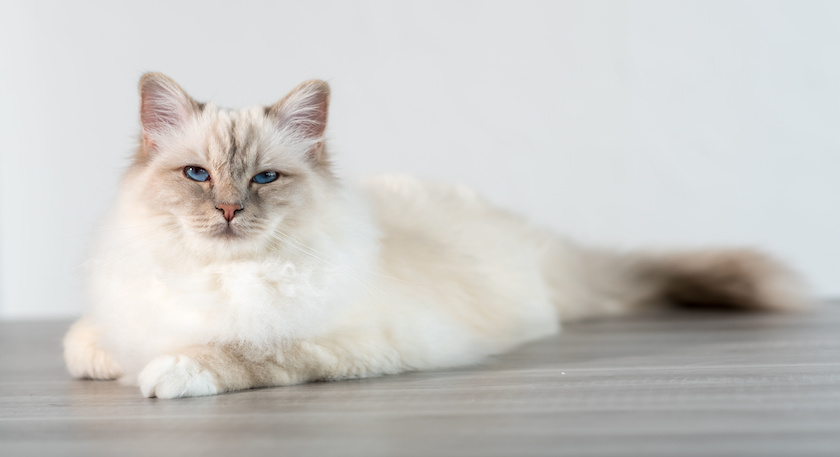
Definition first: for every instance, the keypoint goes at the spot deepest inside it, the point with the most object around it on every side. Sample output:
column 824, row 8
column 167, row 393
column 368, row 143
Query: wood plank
column 687, row 383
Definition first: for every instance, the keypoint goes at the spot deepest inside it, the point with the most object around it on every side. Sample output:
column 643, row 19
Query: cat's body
column 200, row 286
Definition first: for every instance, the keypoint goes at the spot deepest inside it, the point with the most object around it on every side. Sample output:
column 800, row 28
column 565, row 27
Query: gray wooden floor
column 682, row 384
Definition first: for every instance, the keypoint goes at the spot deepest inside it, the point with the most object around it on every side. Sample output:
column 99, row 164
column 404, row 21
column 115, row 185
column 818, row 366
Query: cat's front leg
column 211, row 369
column 173, row 376
column 216, row 368
column 84, row 358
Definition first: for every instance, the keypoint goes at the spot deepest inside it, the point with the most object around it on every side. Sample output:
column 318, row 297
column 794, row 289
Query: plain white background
column 629, row 124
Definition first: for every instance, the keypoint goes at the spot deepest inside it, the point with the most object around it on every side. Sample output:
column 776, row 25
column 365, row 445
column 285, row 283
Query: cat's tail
column 586, row 282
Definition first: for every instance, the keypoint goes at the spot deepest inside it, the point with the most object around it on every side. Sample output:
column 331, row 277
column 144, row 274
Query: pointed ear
column 302, row 114
column 164, row 107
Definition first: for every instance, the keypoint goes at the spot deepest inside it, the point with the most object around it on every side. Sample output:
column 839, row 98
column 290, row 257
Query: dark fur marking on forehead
column 248, row 139
column 234, row 146
column 239, row 139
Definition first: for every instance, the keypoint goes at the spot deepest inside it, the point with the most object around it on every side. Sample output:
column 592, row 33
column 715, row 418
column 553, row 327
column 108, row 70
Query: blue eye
column 266, row 177
column 196, row 174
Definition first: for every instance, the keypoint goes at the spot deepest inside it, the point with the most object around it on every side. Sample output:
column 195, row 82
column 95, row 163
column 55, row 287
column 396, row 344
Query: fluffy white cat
column 234, row 258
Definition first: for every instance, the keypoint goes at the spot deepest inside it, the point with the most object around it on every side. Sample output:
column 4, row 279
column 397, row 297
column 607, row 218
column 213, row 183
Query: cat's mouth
column 228, row 232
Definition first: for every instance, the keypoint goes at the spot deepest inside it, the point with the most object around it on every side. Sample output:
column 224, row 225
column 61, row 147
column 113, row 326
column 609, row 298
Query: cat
column 235, row 258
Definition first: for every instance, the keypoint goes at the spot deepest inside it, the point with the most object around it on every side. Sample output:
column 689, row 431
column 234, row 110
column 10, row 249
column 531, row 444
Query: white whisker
column 341, row 269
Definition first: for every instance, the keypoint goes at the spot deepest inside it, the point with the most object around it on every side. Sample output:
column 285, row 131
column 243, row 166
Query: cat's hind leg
column 83, row 356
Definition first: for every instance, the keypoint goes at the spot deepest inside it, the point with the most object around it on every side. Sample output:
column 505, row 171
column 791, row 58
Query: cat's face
column 231, row 179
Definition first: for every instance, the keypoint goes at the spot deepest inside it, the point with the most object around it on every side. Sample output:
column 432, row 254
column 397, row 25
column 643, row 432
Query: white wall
column 643, row 123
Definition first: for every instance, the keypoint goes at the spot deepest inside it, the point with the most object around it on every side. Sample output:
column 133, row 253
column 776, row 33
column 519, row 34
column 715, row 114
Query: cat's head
column 230, row 179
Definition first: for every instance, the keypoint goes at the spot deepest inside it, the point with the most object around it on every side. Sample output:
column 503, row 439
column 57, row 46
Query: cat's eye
column 266, row 177
column 196, row 173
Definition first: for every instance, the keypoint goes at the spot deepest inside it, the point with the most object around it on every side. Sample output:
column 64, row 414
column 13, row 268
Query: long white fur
column 390, row 275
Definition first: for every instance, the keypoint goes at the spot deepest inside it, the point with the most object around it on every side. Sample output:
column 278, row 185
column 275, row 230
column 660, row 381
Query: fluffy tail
column 589, row 282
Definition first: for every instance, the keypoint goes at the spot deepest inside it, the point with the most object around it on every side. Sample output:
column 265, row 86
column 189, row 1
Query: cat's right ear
column 164, row 108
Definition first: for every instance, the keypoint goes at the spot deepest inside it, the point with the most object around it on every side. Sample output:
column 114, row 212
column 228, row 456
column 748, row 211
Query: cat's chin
column 230, row 242
column 228, row 233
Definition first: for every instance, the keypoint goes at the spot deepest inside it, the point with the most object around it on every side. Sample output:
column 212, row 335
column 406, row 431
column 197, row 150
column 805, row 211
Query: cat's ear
column 164, row 108
column 302, row 115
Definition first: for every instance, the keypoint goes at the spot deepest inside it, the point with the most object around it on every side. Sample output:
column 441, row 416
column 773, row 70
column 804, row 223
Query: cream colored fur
column 318, row 279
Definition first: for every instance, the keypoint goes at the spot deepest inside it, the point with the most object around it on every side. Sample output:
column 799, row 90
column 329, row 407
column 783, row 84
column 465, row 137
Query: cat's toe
column 176, row 376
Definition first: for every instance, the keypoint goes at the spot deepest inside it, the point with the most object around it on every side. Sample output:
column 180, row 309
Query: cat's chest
column 239, row 301
column 159, row 309
column 241, row 284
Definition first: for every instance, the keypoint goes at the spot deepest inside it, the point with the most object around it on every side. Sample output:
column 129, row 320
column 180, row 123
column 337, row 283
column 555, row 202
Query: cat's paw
column 84, row 358
column 176, row 376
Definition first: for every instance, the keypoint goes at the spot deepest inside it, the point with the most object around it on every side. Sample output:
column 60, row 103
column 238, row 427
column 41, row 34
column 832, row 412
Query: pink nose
column 229, row 210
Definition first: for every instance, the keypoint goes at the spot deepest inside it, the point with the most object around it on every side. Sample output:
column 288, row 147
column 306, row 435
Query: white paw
column 176, row 376
column 84, row 358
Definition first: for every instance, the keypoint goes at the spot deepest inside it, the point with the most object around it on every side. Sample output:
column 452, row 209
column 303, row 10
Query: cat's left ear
column 164, row 108
column 302, row 115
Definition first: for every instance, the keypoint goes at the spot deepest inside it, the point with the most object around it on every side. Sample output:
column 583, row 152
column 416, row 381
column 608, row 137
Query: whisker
column 340, row 268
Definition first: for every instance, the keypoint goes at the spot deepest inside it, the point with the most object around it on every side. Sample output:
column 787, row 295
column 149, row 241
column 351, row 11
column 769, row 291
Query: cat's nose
column 229, row 211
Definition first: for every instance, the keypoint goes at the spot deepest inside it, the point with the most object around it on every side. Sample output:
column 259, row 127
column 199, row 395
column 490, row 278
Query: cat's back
column 406, row 197
column 439, row 214
column 461, row 253
column 436, row 215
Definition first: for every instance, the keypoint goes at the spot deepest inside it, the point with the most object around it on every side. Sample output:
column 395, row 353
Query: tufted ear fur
column 164, row 108
column 302, row 115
